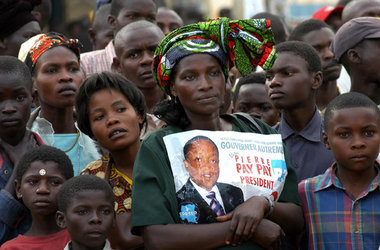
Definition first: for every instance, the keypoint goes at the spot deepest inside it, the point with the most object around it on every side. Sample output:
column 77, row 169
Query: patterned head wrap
column 245, row 43
column 45, row 42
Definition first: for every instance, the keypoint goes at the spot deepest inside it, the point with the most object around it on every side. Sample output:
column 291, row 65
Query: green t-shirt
column 154, row 199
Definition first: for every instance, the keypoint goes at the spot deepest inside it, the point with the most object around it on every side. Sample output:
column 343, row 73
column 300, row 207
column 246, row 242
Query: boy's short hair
column 10, row 65
column 44, row 154
column 251, row 78
column 106, row 80
column 349, row 100
column 79, row 184
column 117, row 5
column 306, row 27
column 303, row 50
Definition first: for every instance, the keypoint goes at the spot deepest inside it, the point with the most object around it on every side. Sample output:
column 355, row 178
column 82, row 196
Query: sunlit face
column 253, row 99
column 89, row 218
column 202, row 163
column 39, row 187
column 113, row 120
column 136, row 56
column 353, row 135
column 289, row 83
column 57, row 78
column 199, row 84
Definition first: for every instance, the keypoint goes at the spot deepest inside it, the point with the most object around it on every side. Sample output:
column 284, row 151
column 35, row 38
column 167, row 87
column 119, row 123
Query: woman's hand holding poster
column 215, row 171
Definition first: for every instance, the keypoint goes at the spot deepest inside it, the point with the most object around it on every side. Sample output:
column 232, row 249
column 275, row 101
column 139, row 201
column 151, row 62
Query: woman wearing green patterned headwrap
column 191, row 65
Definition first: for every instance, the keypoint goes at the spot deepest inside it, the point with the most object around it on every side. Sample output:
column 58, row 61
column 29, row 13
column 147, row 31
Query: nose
column 95, row 218
column 327, row 54
column 357, row 142
column 8, row 107
column 255, row 112
column 112, row 119
column 205, row 83
column 147, row 58
column 273, row 82
column 66, row 76
column 166, row 30
column 43, row 188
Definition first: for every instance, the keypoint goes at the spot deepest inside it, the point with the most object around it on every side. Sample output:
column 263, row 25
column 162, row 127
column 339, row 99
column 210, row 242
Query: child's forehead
column 90, row 198
column 351, row 114
column 15, row 81
column 43, row 169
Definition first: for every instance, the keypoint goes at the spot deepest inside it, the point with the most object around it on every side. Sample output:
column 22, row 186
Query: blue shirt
column 307, row 153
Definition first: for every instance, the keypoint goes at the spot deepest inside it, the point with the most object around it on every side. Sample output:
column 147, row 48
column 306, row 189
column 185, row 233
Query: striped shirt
column 335, row 219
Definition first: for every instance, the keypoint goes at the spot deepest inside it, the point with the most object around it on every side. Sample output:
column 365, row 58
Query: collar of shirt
column 311, row 132
column 330, row 179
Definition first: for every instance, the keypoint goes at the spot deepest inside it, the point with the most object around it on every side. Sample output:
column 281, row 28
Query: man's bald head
column 128, row 30
column 361, row 8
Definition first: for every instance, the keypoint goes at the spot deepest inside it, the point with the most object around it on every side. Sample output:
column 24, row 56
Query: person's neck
column 124, row 159
column 152, row 97
column 356, row 182
column 325, row 93
column 208, row 122
column 299, row 117
column 62, row 120
column 14, row 138
column 43, row 225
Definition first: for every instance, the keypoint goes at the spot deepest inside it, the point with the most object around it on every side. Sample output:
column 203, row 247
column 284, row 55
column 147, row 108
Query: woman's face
column 57, row 78
column 199, row 84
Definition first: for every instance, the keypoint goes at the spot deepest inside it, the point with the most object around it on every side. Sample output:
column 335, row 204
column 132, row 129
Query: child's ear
column 326, row 140
column 317, row 82
column 18, row 189
column 60, row 219
column 111, row 21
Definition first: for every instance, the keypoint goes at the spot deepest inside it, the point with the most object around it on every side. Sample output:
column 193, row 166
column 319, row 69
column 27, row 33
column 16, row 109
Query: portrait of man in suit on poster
column 201, row 199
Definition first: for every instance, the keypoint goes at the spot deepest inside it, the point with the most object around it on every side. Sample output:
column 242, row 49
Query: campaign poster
column 215, row 171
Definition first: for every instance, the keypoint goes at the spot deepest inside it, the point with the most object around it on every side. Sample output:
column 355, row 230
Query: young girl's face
column 39, row 187
column 113, row 120
column 57, row 77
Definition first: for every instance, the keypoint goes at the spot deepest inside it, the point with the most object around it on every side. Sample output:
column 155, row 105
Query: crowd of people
column 85, row 161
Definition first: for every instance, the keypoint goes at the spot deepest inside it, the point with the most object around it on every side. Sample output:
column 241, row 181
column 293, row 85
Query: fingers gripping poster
column 215, row 171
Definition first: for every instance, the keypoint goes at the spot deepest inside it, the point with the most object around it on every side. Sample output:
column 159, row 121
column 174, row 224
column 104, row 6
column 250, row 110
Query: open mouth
column 116, row 133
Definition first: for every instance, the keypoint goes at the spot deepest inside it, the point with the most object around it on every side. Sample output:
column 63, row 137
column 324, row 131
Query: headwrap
column 14, row 14
column 245, row 43
column 39, row 44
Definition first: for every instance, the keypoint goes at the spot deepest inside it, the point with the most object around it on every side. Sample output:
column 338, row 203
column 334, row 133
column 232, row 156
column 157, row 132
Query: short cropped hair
column 10, row 65
column 117, row 5
column 306, row 27
column 251, row 78
column 44, row 154
column 79, row 184
column 303, row 50
column 349, row 100
column 106, row 80
column 190, row 142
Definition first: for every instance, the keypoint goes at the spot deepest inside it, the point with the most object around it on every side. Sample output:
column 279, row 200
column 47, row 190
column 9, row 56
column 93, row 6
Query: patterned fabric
column 98, row 61
column 120, row 183
column 247, row 43
column 335, row 219
column 48, row 41
column 215, row 205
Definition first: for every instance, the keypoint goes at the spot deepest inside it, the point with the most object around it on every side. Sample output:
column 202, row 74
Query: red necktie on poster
column 215, row 205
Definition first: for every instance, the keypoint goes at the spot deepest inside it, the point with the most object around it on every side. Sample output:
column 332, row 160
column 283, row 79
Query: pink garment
column 98, row 61
column 47, row 242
